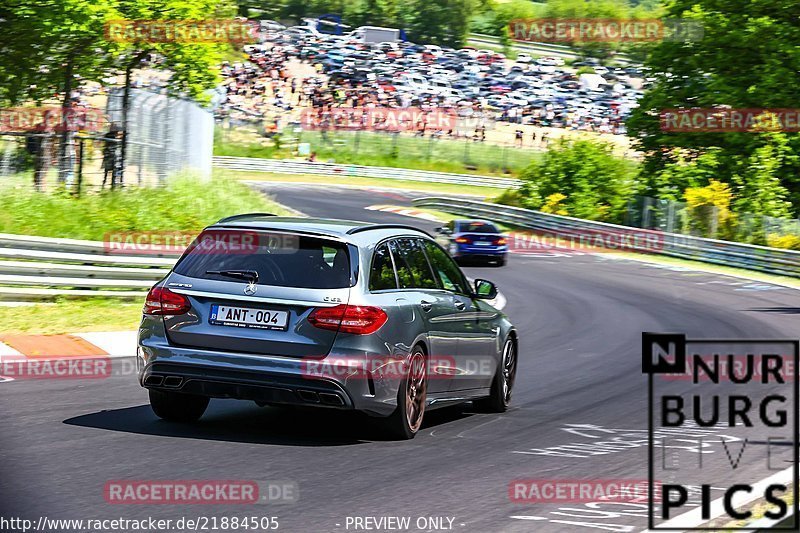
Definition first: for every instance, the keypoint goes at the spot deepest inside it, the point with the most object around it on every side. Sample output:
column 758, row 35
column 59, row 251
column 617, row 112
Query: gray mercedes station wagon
column 327, row 313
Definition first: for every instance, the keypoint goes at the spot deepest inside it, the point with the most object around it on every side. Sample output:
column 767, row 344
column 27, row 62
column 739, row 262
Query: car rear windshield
column 277, row 258
column 476, row 227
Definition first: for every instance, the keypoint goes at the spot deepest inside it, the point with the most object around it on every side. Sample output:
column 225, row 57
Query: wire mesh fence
column 75, row 161
column 165, row 136
column 712, row 222
column 431, row 151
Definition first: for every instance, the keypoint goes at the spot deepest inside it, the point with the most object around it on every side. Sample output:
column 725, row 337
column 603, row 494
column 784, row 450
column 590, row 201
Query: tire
column 502, row 261
column 177, row 407
column 406, row 420
column 500, row 395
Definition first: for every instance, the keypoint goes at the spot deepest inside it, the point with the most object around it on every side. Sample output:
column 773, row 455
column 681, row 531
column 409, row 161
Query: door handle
column 460, row 305
column 426, row 306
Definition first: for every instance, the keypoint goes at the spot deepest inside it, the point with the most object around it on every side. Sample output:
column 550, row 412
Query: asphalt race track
column 580, row 319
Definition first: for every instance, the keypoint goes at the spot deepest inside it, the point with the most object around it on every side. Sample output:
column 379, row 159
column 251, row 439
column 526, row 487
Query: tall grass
column 183, row 203
column 375, row 149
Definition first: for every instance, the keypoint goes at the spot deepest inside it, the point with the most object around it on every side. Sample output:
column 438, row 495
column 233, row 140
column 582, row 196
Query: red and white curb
column 43, row 350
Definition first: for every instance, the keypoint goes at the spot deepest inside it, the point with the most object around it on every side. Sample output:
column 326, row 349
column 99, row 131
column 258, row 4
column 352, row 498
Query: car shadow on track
column 783, row 310
column 285, row 426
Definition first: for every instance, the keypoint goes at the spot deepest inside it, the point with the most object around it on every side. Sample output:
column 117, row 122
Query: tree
column 593, row 182
column 758, row 186
column 67, row 44
column 55, row 45
column 748, row 58
column 442, row 22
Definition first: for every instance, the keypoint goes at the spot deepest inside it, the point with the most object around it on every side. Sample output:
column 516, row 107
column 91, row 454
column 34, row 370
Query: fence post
column 80, row 166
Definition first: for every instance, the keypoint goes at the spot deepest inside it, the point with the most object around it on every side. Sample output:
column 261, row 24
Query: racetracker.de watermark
column 20, row 367
column 387, row 367
column 182, row 31
column 391, row 119
column 51, row 119
column 588, row 30
column 578, row 490
column 209, row 242
column 726, row 120
column 193, row 492
column 587, row 240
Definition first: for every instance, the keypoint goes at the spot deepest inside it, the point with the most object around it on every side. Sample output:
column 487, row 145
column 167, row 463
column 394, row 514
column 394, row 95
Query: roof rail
column 359, row 229
column 244, row 215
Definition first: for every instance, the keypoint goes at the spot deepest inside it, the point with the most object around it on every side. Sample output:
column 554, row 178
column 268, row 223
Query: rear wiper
column 247, row 275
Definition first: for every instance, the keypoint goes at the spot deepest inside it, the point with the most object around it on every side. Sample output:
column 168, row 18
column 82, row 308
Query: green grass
column 182, row 204
column 375, row 149
column 72, row 316
column 421, row 186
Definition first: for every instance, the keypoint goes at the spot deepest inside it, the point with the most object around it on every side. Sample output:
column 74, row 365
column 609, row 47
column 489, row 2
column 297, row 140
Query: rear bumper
column 264, row 378
column 264, row 387
column 481, row 251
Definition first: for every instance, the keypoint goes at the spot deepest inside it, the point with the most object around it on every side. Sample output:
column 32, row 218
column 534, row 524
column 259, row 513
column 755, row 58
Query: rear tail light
column 162, row 301
column 356, row 319
column 501, row 241
column 463, row 240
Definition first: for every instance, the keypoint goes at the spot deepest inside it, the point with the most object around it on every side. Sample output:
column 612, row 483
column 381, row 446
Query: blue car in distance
column 473, row 239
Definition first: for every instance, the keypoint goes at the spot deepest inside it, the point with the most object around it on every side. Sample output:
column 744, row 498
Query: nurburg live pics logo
column 747, row 390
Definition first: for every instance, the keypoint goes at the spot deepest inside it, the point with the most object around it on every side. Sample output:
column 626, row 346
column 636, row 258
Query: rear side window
column 279, row 259
column 381, row 273
column 413, row 270
column 446, row 269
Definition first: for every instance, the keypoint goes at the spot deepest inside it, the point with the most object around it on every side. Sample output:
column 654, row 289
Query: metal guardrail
column 288, row 166
column 42, row 268
column 732, row 254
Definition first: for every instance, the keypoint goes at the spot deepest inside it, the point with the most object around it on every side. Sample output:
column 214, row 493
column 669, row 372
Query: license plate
column 483, row 243
column 243, row 317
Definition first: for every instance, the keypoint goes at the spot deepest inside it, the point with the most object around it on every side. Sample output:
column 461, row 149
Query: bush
column 595, row 184
column 709, row 210
column 789, row 242
column 552, row 204
column 510, row 197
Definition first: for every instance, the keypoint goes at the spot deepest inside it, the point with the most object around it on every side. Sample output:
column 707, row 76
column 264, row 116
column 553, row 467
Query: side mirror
column 485, row 290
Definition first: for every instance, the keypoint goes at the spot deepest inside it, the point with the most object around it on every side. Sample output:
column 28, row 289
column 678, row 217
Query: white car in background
column 524, row 58
column 551, row 61
column 433, row 49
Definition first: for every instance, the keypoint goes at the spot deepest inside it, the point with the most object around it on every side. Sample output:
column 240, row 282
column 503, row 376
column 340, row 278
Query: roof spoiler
column 370, row 227
column 244, row 215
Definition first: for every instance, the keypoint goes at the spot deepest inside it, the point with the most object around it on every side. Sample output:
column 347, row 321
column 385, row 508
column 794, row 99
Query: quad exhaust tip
column 173, row 381
column 330, row 398
column 308, row 396
column 154, row 380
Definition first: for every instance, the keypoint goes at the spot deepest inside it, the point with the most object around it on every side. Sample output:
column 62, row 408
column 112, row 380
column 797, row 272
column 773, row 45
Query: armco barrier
column 288, row 166
column 745, row 256
column 41, row 268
